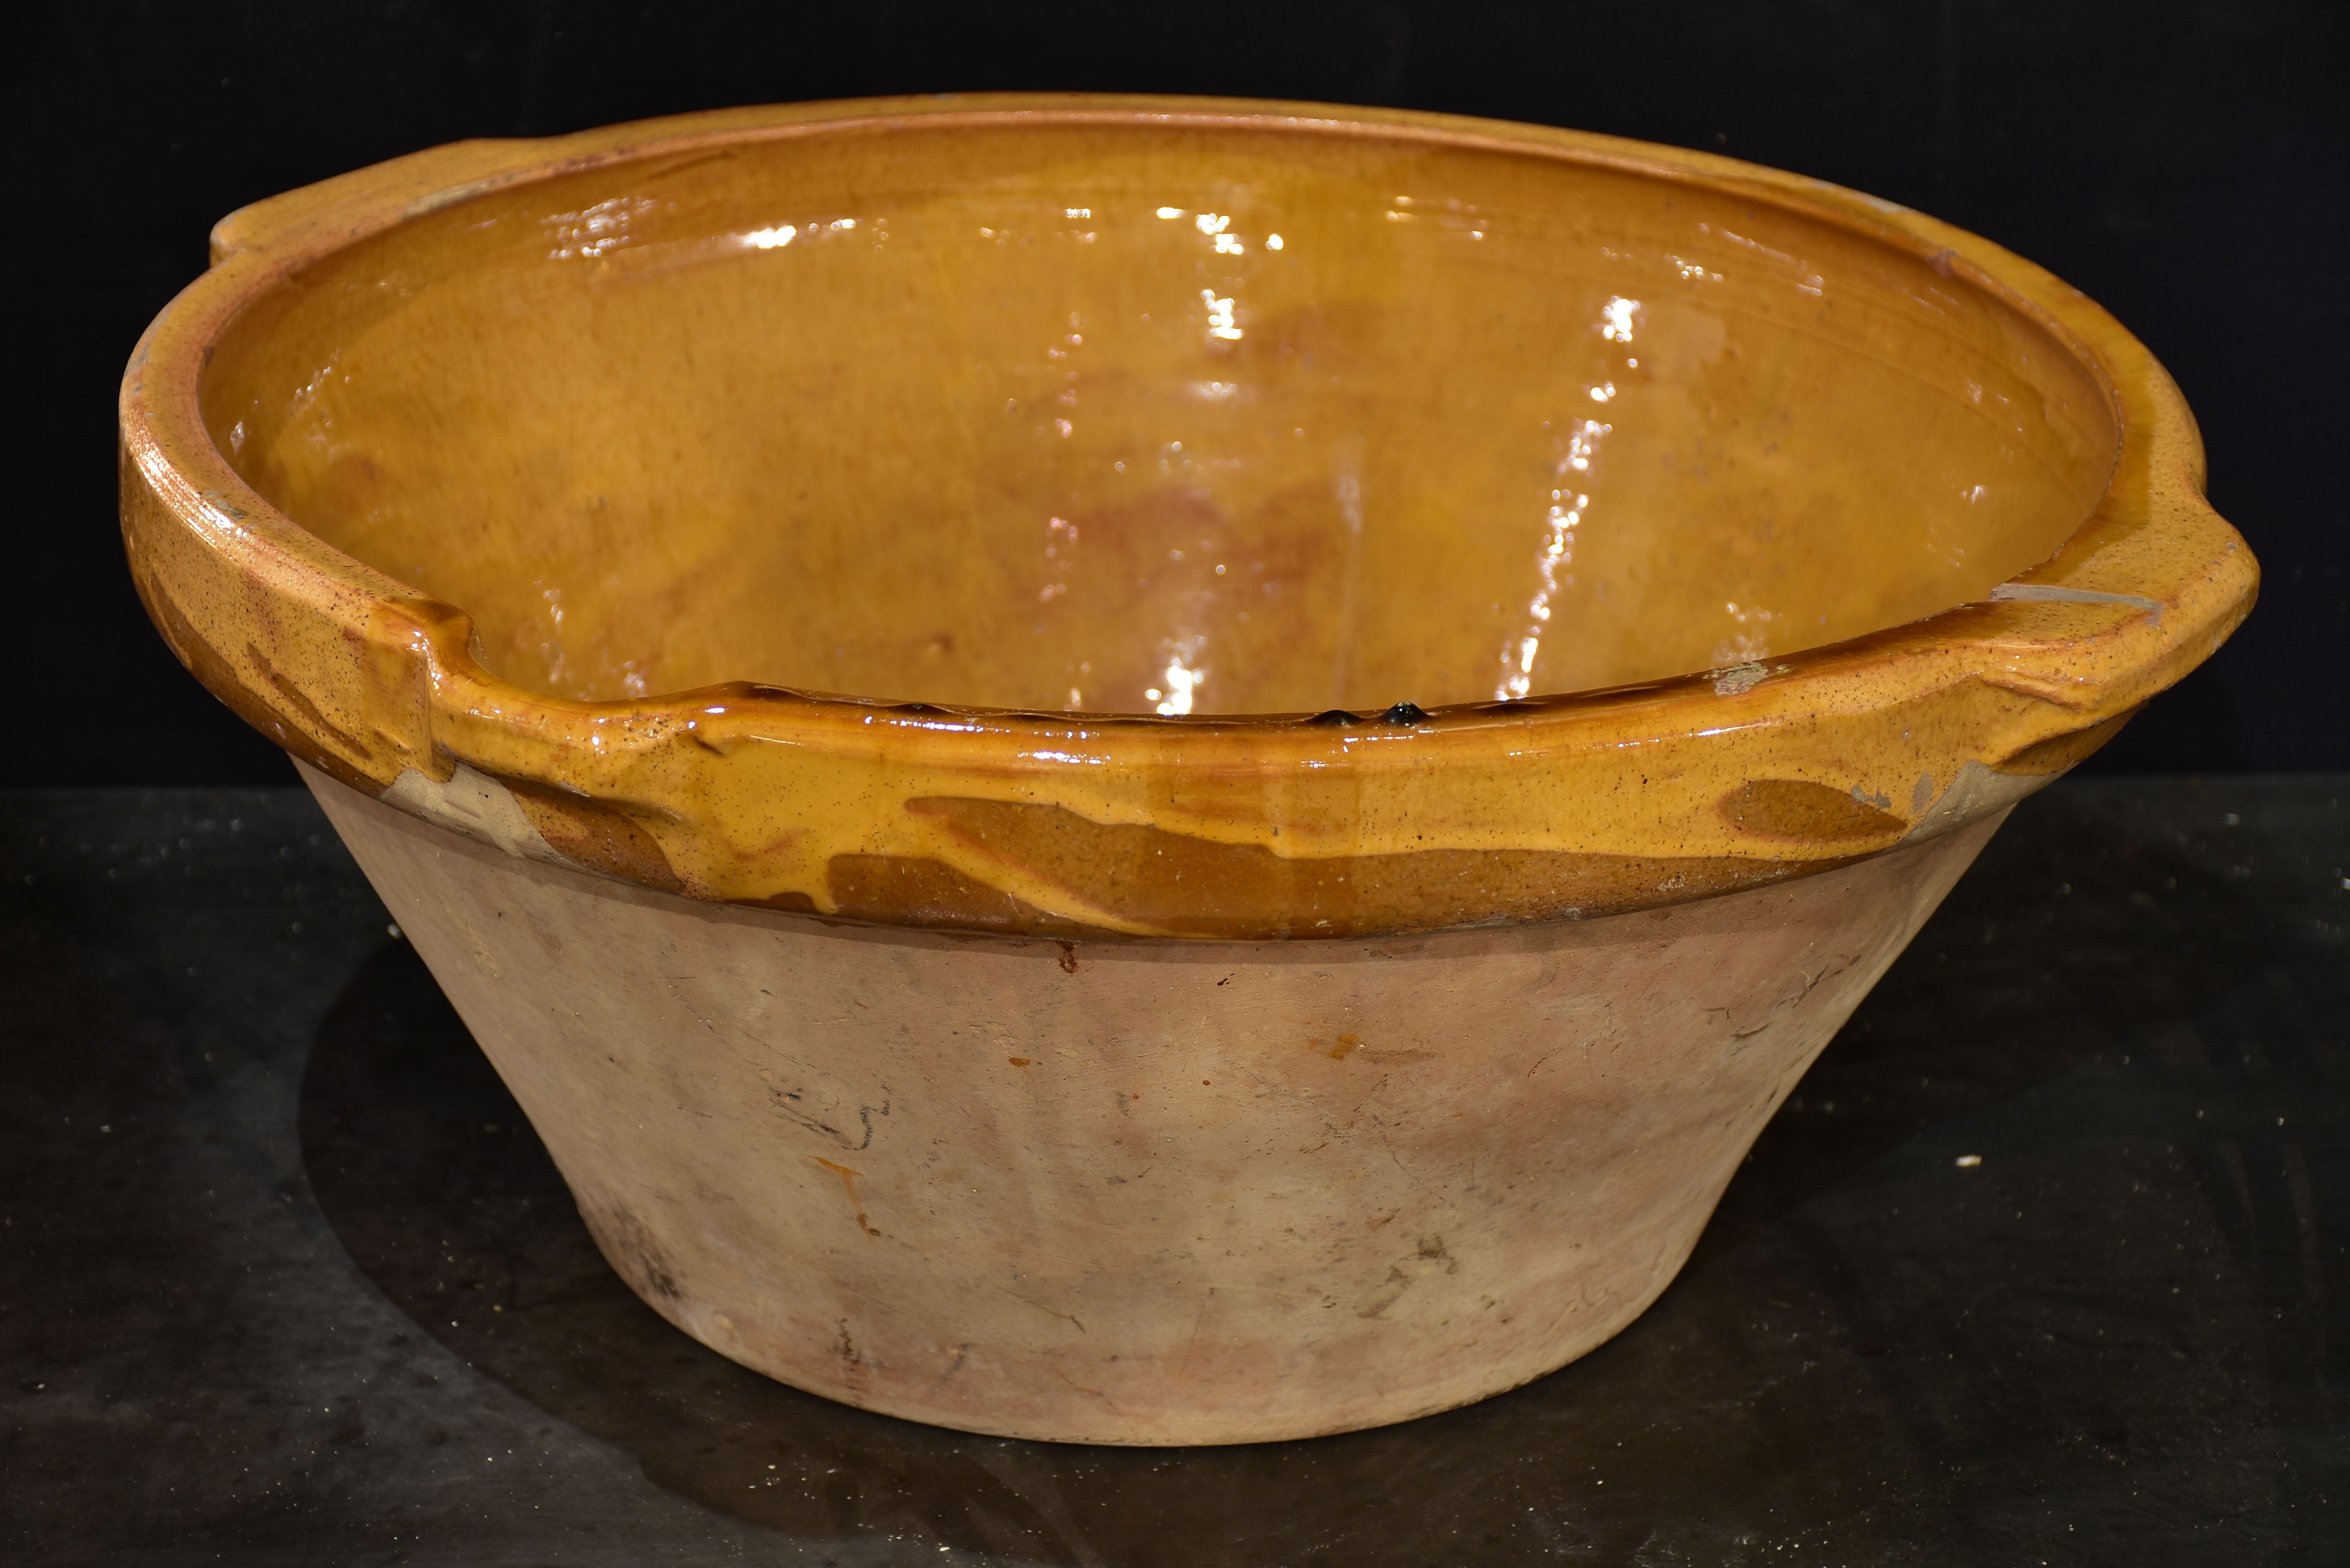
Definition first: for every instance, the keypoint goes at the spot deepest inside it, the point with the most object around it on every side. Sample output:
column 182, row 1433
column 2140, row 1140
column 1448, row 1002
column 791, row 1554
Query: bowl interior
column 1153, row 417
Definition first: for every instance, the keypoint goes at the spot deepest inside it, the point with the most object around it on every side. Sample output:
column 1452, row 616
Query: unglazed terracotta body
column 1141, row 1192
column 1476, row 639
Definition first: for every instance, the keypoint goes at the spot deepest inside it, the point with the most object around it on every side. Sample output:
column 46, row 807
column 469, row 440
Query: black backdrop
column 2186, row 163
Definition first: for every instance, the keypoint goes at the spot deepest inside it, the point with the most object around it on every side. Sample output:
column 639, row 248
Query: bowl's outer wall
column 1152, row 1192
column 1065, row 825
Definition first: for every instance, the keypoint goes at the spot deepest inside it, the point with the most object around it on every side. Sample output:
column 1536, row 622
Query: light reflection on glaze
column 1220, row 317
column 1182, row 673
column 1347, row 488
column 1569, row 505
column 594, row 231
column 1184, row 676
column 776, row 236
column 1744, row 645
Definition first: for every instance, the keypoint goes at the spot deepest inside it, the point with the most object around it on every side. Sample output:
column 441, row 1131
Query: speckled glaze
column 1162, row 527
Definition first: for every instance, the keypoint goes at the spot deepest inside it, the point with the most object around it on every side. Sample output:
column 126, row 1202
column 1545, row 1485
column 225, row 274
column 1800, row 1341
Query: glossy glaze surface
column 1188, row 421
column 1017, row 404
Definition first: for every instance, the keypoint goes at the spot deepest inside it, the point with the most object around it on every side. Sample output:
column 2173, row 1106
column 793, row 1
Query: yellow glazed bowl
column 1154, row 771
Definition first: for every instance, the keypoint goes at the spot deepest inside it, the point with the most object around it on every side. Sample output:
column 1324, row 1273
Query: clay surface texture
column 1141, row 1192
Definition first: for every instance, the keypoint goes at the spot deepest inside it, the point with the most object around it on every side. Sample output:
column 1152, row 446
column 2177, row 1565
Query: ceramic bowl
column 1154, row 771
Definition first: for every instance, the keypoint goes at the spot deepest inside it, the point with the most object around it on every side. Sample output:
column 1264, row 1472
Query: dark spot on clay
column 1404, row 714
column 845, row 1348
column 1389, row 1290
column 629, row 1248
column 790, row 1102
column 1068, row 956
column 1333, row 719
column 1018, row 1061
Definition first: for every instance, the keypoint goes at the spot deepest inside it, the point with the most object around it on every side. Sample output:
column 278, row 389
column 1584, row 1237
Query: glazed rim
column 1215, row 826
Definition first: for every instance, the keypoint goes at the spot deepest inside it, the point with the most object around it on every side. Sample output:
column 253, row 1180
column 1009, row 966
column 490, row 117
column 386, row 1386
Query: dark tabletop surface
column 284, row 1277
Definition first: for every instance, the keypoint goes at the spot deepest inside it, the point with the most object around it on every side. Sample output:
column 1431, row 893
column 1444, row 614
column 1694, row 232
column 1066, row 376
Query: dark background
column 2176, row 160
